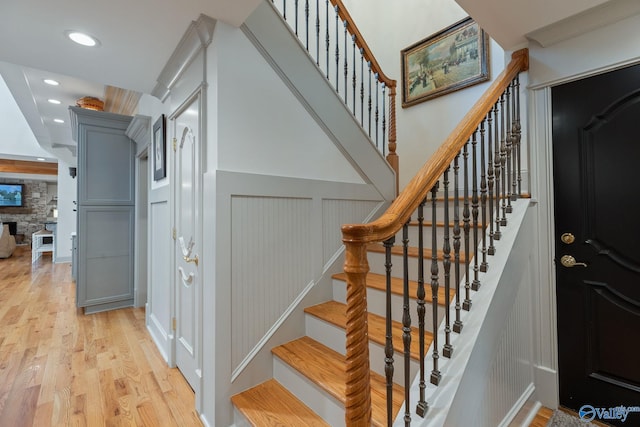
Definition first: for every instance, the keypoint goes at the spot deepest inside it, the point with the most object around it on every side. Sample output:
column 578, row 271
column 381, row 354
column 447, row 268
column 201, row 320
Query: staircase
column 309, row 373
column 342, row 372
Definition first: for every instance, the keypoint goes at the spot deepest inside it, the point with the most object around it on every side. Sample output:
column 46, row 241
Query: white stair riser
column 334, row 338
column 412, row 234
column 376, row 303
column 376, row 265
column 331, row 410
column 239, row 420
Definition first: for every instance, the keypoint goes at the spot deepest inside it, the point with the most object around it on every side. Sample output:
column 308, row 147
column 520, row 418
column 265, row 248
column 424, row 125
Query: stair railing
column 491, row 128
column 335, row 44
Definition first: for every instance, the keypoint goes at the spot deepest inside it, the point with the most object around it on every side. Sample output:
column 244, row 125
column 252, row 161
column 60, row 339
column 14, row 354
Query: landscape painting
column 452, row 59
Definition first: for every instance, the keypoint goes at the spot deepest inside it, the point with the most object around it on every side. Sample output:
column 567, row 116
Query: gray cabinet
column 106, row 205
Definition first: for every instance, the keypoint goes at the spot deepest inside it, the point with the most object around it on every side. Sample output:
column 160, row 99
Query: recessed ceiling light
column 51, row 82
column 54, row 101
column 83, row 38
column 58, row 120
column 41, row 159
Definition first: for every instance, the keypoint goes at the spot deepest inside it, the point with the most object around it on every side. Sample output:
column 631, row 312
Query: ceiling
column 138, row 37
column 136, row 40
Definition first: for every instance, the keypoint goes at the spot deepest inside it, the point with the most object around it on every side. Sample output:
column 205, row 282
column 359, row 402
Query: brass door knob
column 569, row 261
column 193, row 260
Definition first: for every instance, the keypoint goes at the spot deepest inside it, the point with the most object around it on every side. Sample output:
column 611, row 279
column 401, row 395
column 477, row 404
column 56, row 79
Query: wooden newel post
column 358, row 388
column 392, row 156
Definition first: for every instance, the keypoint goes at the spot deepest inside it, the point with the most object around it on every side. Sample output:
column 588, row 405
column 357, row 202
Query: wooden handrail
column 392, row 156
column 356, row 237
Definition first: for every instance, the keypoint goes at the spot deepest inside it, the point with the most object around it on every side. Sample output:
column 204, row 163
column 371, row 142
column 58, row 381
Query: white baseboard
column 546, row 386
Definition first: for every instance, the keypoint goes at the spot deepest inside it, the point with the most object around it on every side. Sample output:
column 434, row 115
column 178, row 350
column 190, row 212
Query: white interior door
column 188, row 242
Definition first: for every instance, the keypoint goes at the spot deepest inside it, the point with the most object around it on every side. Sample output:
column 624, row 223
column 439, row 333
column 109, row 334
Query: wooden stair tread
column 326, row 368
column 412, row 251
column 270, row 404
column 379, row 282
column 335, row 313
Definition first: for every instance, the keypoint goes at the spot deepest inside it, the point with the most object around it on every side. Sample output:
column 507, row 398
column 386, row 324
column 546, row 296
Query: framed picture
column 451, row 59
column 159, row 149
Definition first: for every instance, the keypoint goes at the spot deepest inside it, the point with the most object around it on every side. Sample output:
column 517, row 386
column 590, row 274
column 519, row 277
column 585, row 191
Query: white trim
column 274, row 328
column 155, row 328
column 197, row 37
column 518, row 406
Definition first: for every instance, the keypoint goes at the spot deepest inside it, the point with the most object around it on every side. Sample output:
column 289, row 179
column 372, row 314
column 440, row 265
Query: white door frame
column 141, row 266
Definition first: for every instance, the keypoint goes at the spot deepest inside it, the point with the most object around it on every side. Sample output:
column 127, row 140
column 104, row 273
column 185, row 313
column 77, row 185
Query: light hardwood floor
column 59, row 367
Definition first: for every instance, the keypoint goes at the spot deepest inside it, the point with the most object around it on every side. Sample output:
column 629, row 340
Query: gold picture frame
column 449, row 60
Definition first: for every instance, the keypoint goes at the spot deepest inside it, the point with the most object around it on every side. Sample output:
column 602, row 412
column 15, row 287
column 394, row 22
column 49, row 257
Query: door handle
column 569, row 261
column 193, row 260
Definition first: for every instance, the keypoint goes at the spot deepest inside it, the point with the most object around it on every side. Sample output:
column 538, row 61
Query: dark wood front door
column 596, row 167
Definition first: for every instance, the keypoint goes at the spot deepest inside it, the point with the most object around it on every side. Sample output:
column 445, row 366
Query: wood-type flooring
column 60, row 367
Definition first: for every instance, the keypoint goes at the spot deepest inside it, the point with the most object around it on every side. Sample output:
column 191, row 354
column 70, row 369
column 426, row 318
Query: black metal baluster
column 327, row 38
column 508, row 208
column 491, row 250
column 362, row 87
column 369, row 64
column 388, row 347
column 337, row 53
column 421, row 408
column 435, row 373
column 497, row 234
column 306, row 18
column 503, row 162
column 384, row 119
column 346, row 65
column 475, row 285
column 483, row 197
column 447, row 349
column 518, row 136
column 296, row 20
column 457, row 325
column 317, row 30
column 406, row 321
column 512, row 160
column 353, row 77
column 377, row 111
column 284, row 9
column 466, row 213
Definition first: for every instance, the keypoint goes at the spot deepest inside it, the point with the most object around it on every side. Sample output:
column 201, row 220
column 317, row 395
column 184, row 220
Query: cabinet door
column 105, row 265
column 106, row 204
column 106, row 163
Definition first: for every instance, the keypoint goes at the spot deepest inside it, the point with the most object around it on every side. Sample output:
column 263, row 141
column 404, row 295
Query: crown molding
column 139, row 129
column 197, row 37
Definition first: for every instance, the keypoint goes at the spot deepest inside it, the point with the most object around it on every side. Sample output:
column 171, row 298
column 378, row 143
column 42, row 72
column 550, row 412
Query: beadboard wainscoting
column 277, row 244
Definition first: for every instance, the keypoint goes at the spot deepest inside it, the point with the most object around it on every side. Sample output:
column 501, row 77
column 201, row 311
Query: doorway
column 186, row 131
column 596, row 155
column 142, row 224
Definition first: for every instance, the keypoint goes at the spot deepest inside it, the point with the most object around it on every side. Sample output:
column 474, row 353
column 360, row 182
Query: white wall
column 271, row 163
column 159, row 243
column 265, row 129
column 18, row 139
column 388, row 28
column 67, row 217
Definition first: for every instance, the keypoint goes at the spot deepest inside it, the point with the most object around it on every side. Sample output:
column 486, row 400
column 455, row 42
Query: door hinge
column 173, row 323
column 173, row 233
column 175, row 144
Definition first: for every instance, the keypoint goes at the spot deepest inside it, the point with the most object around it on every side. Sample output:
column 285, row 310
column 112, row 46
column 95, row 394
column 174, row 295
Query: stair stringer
column 289, row 59
column 477, row 360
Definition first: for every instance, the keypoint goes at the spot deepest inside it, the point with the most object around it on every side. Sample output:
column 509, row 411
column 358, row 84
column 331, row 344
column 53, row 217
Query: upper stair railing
column 486, row 146
column 335, row 44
